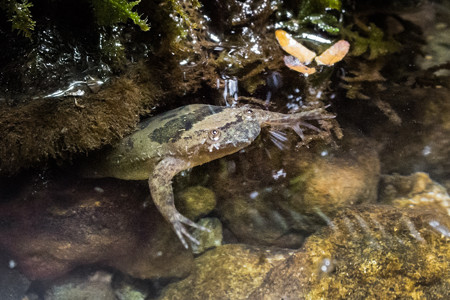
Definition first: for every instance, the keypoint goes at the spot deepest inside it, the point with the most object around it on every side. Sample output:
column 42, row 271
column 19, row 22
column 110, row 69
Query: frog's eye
column 214, row 135
column 249, row 113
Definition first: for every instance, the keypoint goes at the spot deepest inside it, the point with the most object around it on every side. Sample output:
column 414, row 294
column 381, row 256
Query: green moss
column 317, row 12
column 185, row 18
column 40, row 129
column 324, row 22
column 109, row 12
column 369, row 252
column 179, row 8
column 362, row 37
column 18, row 13
column 176, row 25
column 371, row 40
column 309, row 7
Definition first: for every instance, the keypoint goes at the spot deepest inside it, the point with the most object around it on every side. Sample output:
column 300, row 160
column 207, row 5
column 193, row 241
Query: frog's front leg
column 160, row 182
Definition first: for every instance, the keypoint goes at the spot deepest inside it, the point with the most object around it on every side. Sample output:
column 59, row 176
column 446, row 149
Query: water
column 361, row 212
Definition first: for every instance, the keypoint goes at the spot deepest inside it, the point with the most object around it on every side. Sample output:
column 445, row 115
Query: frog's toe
column 186, row 221
column 182, row 232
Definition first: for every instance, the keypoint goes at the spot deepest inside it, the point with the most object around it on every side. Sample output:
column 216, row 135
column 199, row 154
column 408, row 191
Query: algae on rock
column 367, row 252
column 226, row 272
column 196, row 201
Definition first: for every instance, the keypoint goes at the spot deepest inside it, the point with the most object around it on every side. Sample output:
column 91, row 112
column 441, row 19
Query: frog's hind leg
column 160, row 183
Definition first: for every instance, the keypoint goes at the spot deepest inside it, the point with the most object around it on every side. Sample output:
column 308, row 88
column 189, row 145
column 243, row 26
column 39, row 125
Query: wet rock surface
column 414, row 191
column 50, row 229
column 128, row 288
column 92, row 286
column 195, row 201
column 367, row 253
column 227, row 272
column 210, row 239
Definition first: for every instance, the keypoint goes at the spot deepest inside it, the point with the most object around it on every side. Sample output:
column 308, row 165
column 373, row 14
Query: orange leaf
column 333, row 54
column 291, row 46
column 294, row 63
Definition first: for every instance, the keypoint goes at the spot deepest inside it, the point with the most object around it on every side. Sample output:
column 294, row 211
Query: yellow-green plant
column 107, row 12
column 18, row 13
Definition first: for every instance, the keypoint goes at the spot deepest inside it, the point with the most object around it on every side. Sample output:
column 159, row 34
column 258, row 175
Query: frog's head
column 219, row 131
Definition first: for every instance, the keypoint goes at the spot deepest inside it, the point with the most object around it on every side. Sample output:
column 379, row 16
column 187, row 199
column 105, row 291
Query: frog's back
column 135, row 156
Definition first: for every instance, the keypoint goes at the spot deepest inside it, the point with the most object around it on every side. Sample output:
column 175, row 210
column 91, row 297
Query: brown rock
column 67, row 222
column 328, row 183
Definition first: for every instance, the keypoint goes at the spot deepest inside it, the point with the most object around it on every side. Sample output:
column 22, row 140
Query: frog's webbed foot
column 177, row 221
column 296, row 121
column 160, row 183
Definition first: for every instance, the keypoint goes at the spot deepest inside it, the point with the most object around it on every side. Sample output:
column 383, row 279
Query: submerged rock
column 196, row 201
column 65, row 223
column 369, row 252
column 93, row 286
column 207, row 239
column 414, row 191
column 128, row 288
column 278, row 200
column 226, row 272
column 332, row 181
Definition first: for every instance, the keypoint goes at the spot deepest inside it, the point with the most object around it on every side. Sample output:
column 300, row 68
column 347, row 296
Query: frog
column 179, row 139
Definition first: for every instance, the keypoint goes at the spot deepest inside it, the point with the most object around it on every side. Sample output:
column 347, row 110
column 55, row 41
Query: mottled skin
column 184, row 138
